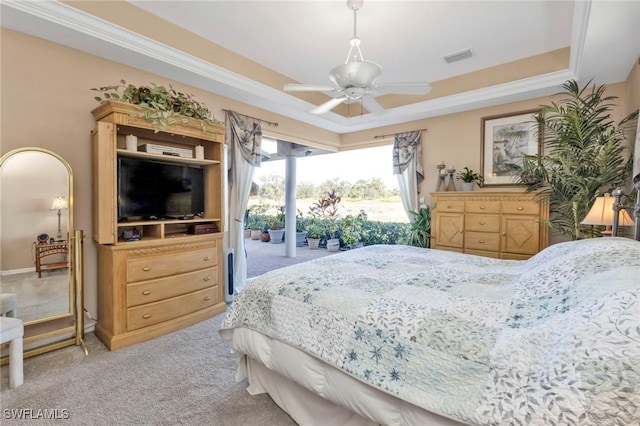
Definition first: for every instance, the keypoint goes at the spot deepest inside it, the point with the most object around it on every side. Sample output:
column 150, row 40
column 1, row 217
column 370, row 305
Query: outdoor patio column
column 290, row 203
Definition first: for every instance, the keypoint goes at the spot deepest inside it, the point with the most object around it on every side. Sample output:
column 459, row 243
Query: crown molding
column 63, row 24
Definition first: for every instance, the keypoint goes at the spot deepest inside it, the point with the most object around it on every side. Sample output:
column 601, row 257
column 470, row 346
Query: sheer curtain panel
column 244, row 135
column 407, row 165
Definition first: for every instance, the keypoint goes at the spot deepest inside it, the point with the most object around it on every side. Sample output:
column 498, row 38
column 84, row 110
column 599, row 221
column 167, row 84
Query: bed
column 402, row 335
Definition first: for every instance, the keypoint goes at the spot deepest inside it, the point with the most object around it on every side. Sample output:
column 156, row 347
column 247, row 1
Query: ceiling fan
column 356, row 79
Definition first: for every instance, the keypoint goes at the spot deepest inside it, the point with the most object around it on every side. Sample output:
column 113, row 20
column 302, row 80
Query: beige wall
column 46, row 102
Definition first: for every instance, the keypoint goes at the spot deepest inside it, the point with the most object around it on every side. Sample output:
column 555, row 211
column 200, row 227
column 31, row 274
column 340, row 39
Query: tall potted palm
column 586, row 155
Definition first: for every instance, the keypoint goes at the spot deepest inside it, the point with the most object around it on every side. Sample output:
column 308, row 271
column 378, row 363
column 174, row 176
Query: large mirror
column 41, row 262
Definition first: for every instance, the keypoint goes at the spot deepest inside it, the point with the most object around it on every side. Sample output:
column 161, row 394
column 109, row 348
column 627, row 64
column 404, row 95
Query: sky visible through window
column 349, row 166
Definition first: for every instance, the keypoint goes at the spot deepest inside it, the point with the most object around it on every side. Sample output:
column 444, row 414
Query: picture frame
column 506, row 138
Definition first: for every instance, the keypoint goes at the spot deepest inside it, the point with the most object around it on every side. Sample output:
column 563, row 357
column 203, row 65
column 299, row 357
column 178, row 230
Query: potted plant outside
column 315, row 233
column 265, row 237
column 352, row 230
column 276, row 229
column 301, row 232
column 469, row 178
column 327, row 207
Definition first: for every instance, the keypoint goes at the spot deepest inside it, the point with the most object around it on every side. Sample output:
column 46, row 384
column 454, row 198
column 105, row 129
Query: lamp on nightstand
column 601, row 214
column 59, row 203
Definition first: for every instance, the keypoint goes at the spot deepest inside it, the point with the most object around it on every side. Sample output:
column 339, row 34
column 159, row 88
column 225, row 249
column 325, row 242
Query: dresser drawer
column 482, row 223
column 150, row 267
column 482, row 241
column 153, row 313
column 450, row 206
column 520, row 207
column 482, row 207
column 165, row 288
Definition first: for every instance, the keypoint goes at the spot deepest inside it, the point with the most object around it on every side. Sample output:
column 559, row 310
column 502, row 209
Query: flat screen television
column 156, row 190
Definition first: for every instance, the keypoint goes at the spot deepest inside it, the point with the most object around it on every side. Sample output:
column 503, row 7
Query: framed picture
column 506, row 139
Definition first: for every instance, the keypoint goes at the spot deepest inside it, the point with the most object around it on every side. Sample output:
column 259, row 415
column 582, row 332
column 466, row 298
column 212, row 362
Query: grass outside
column 382, row 210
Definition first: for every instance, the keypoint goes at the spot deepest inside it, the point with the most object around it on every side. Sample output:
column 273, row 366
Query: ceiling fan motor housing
column 356, row 74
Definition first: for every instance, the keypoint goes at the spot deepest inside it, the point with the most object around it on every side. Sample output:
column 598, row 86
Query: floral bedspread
column 553, row 340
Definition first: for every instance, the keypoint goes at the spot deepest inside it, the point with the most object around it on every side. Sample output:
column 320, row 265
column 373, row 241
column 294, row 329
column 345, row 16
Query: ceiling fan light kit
column 356, row 78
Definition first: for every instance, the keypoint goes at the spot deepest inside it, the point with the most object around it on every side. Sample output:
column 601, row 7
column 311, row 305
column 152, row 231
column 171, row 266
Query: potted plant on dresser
column 469, row 178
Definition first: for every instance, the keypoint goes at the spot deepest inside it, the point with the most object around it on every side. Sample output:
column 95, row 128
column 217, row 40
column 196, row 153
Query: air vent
column 458, row 56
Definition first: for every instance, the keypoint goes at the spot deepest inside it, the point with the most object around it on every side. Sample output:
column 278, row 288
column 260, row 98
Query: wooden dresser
column 503, row 225
column 147, row 291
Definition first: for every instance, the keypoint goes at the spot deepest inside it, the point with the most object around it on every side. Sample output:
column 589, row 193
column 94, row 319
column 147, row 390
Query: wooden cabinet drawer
column 450, row 206
column 154, row 313
column 164, row 288
column 482, row 223
column 520, row 207
column 482, row 207
column 484, row 253
column 150, row 267
column 482, row 241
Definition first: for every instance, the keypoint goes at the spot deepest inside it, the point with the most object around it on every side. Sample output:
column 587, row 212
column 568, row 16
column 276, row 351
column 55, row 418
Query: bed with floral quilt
column 403, row 335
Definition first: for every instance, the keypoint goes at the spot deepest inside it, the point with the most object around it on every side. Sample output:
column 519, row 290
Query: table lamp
column 59, row 203
column 601, row 214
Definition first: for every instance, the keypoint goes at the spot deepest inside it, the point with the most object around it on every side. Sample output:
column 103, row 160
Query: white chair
column 12, row 330
column 8, row 305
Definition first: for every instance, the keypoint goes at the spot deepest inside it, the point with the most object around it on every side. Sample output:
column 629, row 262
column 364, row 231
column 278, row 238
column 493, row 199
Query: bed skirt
column 315, row 393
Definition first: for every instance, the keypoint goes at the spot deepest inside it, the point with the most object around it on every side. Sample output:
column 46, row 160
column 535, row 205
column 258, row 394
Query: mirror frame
column 56, row 331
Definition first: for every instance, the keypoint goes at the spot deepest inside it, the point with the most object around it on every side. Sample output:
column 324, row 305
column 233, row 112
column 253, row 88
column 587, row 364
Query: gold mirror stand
column 78, row 279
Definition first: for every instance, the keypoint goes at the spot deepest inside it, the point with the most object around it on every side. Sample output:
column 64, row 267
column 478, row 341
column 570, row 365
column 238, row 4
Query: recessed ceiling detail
column 409, row 40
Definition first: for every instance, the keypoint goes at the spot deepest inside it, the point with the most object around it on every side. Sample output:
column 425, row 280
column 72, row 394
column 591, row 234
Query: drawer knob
column 146, row 316
column 482, row 207
column 449, row 206
column 481, row 241
column 206, row 278
column 206, row 299
column 146, row 268
column 520, row 208
column 206, row 258
column 481, row 222
column 146, row 292
column 504, row 234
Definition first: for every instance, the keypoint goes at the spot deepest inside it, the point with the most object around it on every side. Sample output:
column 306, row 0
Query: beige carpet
column 186, row 377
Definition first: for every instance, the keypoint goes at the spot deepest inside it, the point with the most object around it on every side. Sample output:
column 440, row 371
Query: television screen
column 155, row 190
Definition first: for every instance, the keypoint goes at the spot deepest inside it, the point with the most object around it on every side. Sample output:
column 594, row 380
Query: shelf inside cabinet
column 166, row 158
column 159, row 229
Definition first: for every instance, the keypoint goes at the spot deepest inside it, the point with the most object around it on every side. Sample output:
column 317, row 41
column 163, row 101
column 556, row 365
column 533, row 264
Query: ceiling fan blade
column 329, row 105
column 371, row 105
column 402, row 88
column 292, row 87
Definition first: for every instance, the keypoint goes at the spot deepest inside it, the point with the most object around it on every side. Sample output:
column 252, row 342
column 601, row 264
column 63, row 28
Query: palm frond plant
column 420, row 229
column 585, row 155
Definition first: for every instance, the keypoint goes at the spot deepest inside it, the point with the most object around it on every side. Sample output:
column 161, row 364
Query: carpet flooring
column 183, row 378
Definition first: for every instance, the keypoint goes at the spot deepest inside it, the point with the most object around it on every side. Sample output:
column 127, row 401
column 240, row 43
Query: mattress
column 316, row 393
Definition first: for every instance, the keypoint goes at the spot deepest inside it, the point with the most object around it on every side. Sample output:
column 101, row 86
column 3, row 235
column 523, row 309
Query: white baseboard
column 17, row 271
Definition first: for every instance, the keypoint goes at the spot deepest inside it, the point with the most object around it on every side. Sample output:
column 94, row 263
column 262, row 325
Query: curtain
column 244, row 136
column 407, row 165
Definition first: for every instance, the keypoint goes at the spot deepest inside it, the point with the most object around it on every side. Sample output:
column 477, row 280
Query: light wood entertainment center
column 169, row 279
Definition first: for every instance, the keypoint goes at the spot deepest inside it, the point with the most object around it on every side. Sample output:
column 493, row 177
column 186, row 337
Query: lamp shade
column 601, row 213
column 59, row 203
